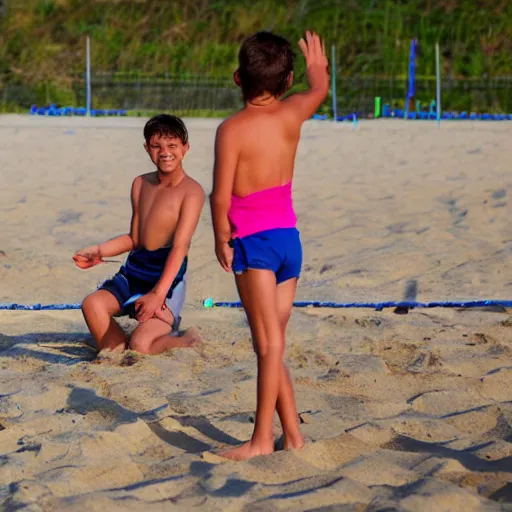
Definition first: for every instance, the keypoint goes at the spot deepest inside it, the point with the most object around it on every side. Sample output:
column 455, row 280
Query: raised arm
column 305, row 104
column 226, row 157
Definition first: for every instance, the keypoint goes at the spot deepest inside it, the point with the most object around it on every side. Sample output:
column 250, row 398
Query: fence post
column 88, row 75
column 333, row 84
column 438, row 86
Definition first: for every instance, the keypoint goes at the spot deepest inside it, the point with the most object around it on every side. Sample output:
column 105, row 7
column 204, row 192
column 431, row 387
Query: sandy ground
column 402, row 412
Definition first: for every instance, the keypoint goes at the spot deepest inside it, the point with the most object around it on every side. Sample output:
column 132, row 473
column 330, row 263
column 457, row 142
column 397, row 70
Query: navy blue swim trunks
column 278, row 250
column 138, row 276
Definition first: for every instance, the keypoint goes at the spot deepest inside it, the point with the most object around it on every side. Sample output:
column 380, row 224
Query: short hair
column 166, row 125
column 265, row 61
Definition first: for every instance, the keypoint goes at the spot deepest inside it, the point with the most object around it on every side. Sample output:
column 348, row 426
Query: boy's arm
column 125, row 243
column 305, row 104
column 93, row 255
column 189, row 217
column 226, row 156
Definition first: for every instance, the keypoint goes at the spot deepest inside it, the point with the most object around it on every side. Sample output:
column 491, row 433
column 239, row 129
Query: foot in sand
column 249, row 450
column 166, row 342
column 294, row 443
column 188, row 339
column 108, row 355
column 287, row 442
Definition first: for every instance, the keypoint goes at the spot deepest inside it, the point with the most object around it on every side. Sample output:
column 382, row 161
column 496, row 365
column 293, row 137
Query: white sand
column 404, row 412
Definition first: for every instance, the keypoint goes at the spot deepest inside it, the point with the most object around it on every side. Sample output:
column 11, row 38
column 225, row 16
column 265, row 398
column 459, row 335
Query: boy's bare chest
column 159, row 206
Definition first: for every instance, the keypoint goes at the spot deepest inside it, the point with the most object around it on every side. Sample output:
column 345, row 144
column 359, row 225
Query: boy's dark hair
column 265, row 61
column 167, row 125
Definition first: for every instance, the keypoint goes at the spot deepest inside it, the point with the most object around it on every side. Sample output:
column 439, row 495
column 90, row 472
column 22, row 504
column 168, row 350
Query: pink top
column 271, row 208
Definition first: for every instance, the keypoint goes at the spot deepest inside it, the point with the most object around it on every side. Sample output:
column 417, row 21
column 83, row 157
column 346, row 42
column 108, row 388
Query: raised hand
column 314, row 52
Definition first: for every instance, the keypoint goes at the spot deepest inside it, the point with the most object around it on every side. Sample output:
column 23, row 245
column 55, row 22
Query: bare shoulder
column 231, row 124
column 149, row 178
column 192, row 189
column 137, row 186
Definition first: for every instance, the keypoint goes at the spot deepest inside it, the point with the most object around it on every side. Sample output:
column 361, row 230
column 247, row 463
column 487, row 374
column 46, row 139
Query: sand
column 402, row 412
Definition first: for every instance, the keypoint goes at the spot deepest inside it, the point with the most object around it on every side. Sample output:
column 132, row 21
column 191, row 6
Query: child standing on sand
column 151, row 285
column 253, row 215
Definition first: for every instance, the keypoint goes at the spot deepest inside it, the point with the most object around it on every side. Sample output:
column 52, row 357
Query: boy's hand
column 148, row 305
column 314, row 53
column 164, row 314
column 88, row 257
column 224, row 254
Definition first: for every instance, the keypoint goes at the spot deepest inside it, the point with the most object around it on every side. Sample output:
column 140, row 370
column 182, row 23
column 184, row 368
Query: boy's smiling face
column 166, row 152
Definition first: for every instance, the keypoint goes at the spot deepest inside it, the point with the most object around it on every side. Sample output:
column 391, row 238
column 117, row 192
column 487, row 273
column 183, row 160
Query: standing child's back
column 253, row 215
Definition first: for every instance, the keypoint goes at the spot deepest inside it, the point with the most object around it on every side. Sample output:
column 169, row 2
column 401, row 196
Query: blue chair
column 33, row 110
column 53, row 111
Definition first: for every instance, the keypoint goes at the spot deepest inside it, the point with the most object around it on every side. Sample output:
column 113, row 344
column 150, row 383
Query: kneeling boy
column 150, row 286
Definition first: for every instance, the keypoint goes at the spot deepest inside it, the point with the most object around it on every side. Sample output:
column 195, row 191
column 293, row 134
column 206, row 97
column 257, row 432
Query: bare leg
column 286, row 407
column 98, row 309
column 153, row 337
column 257, row 289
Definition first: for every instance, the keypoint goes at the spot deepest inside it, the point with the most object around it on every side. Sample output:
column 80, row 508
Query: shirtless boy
column 253, row 216
column 151, row 285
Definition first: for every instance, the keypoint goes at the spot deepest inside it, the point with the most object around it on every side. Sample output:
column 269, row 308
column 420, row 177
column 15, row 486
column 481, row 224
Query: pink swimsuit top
column 271, row 208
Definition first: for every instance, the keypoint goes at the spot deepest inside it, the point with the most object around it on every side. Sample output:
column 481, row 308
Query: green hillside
column 42, row 41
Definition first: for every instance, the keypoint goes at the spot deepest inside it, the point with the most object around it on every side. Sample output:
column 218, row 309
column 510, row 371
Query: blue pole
column 333, row 84
column 438, row 85
column 412, row 77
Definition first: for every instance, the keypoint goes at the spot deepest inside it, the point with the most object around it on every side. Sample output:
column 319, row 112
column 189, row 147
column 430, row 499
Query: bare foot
column 249, row 450
column 109, row 355
column 119, row 348
column 188, row 339
column 294, row 443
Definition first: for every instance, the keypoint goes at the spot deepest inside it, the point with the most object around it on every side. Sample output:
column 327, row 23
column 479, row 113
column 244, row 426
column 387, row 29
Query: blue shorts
column 278, row 250
column 133, row 280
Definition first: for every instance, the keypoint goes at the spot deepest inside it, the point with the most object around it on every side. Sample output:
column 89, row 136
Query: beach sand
column 402, row 412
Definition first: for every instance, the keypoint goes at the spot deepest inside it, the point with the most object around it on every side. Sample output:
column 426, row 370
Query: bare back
column 266, row 139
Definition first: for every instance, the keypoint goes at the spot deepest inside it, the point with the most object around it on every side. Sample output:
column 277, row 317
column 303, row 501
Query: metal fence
column 494, row 95
column 201, row 95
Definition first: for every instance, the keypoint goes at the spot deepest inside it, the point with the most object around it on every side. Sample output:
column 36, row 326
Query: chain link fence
column 210, row 96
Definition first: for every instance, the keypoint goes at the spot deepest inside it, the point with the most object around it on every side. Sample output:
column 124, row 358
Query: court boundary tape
column 379, row 306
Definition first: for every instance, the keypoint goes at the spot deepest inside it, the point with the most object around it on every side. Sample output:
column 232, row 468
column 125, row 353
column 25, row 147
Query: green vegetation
column 42, row 41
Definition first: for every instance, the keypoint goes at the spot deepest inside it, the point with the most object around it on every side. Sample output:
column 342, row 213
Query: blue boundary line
column 379, row 306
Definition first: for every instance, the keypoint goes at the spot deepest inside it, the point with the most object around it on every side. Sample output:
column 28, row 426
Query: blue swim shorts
column 134, row 280
column 278, row 250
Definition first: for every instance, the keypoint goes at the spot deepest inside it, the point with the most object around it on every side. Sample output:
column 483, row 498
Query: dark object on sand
column 411, row 291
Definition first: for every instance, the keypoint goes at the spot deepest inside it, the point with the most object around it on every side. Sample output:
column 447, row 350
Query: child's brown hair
column 265, row 64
